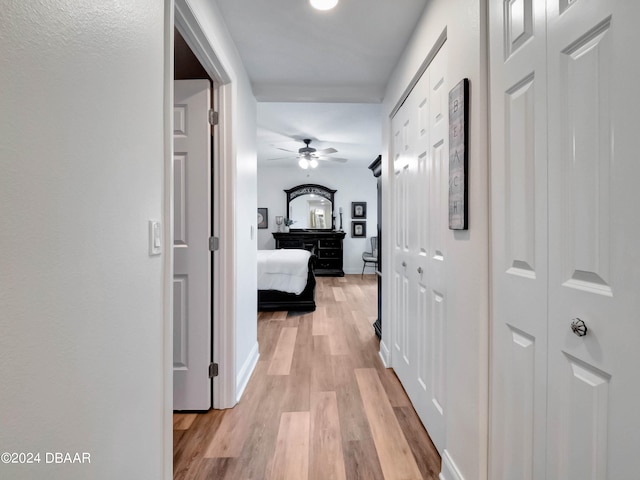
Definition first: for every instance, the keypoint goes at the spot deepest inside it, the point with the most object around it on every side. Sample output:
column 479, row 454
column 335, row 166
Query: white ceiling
column 327, row 69
column 354, row 129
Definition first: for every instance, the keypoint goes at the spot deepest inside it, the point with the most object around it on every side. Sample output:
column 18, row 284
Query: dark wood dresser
column 326, row 245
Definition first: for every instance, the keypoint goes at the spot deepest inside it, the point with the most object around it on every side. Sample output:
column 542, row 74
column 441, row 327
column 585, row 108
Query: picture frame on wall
column 358, row 209
column 458, row 156
column 358, row 229
column 263, row 218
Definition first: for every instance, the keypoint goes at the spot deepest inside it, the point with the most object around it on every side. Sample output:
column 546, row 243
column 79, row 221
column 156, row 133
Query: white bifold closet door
column 420, row 189
column 565, row 224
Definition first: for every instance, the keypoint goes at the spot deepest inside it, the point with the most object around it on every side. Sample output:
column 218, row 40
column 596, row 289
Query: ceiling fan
column 308, row 156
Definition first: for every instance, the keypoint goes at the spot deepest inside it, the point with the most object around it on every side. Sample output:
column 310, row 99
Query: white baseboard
column 245, row 372
column 384, row 354
column 449, row 469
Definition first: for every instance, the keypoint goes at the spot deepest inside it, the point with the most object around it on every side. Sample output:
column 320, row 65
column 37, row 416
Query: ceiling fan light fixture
column 323, row 4
column 303, row 163
column 313, row 163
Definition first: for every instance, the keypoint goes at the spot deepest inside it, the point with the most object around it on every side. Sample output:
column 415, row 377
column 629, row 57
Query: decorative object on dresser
column 358, row 209
column 263, row 218
column 359, row 229
column 287, row 223
column 279, row 222
column 326, row 245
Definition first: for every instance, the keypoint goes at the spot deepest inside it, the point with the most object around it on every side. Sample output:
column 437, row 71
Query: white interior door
column 192, row 265
column 404, row 342
column 519, row 239
column 420, row 149
column 594, row 224
column 433, row 180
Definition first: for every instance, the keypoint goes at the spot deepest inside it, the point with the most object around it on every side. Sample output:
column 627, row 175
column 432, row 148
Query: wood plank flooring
column 319, row 406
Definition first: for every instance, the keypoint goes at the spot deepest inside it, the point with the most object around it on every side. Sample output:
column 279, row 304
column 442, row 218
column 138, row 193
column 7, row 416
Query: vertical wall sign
column 458, row 155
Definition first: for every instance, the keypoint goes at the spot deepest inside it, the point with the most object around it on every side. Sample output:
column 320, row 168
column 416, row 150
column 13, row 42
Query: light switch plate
column 155, row 237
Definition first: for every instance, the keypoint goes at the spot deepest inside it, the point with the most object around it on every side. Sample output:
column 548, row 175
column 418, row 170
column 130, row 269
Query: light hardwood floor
column 319, row 406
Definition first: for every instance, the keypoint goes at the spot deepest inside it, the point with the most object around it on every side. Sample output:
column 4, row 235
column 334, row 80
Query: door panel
column 582, row 405
column 520, row 179
column 192, row 266
column 519, row 239
column 585, row 152
column 594, row 423
column 404, row 338
column 518, row 416
column 435, row 358
column 431, row 261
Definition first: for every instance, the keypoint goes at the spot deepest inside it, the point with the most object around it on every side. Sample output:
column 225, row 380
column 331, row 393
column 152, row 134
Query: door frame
column 223, row 226
column 179, row 14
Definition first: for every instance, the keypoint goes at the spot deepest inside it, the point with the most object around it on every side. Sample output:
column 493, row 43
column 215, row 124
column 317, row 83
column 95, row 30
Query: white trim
column 224, row 337
column 449, row 469
column 167, row 218
column 189, row 27
column 247, row 369
column 384, row 354
column 224, row 333
column 423, row 68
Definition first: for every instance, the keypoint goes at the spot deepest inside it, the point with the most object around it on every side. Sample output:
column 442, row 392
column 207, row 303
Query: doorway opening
column 193, row 205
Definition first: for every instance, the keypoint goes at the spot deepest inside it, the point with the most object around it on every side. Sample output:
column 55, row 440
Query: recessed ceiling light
column 323, row 4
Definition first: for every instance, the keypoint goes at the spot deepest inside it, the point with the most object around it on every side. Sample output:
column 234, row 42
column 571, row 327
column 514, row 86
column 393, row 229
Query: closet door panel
column 594, row 422
column 518, row 239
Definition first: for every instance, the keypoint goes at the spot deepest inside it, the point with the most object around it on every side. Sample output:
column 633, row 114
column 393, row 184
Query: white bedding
column 283, row 269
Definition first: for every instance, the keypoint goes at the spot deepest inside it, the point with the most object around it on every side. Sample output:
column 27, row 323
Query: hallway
column 320, row 404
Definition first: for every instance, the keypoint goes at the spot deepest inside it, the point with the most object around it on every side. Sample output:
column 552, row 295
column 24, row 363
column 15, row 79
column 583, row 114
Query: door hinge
column 214, row 243
column 213, row 370
column 213, row 117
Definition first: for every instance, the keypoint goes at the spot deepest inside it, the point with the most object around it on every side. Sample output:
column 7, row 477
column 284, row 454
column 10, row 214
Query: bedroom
column 354, row 130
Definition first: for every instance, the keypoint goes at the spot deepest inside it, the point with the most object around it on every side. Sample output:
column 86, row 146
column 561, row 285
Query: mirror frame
column 316, row 189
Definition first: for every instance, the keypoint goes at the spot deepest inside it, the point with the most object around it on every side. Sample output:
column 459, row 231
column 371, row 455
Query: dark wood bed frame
column 270, row 300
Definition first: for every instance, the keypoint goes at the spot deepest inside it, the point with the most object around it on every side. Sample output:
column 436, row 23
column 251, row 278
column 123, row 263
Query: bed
column 286, row 280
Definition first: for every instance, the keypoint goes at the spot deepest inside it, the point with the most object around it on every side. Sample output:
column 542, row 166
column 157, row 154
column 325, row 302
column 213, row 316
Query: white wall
column 352, row 185
column 465, row 454
column 240, row 193
column 81, row 301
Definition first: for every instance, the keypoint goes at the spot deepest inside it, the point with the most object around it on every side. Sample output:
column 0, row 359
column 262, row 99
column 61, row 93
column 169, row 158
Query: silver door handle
column 579, row 327
column 420, row 270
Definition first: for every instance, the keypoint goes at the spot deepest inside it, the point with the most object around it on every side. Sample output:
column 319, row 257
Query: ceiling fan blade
column 326, row 151
column 332, row 159
column 280, row 158
column 287, row 150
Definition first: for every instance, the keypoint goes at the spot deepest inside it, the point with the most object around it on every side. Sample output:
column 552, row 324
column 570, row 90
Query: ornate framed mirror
column 310, row 206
